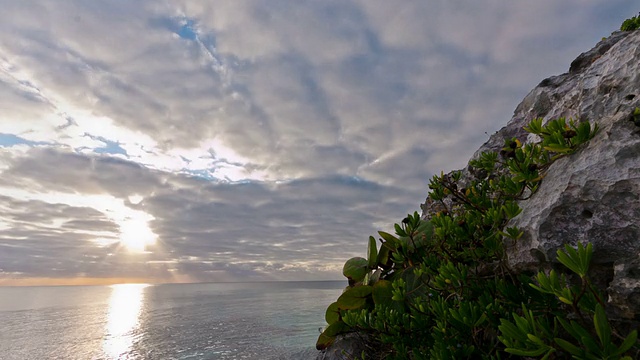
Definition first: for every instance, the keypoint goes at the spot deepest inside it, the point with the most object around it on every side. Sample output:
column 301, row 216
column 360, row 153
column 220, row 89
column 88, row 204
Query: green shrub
column 631, row 24
column 441, row 289
column 532, row 336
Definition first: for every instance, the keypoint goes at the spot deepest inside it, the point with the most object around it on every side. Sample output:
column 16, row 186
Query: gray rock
column 625, row 288
column 594, row 195
column 350, row 346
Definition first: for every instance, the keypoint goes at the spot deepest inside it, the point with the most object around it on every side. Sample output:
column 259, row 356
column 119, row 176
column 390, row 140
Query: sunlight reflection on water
column 125, row 305
column 261, row 321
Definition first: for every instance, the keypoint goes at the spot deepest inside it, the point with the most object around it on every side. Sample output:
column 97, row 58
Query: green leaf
column 329, row 334
column 332, row 314
column 628, row 342
column 569, row 258
column 383, row 256
column 424, row 228
column 372, row 253
column 509, row 330
column 415, row 285
column 520, row 352
column 561, row 149
column 548, row 354
column 535, row 126
column 399, row 230
column 603, row 330
column 565, row 300
column 511, row 210
column 324, row 341
column 569, row 347
column 355, row 269
column 394, row 242
column 481, row 320
column 354, row 298
column 336, row 328
column 535, row 339
column 374, row 277
column 585, row 255
column 576, row 260
column 512, row 232
column 591, row 345
column 521, row 323
column 382, row 292
column 548, row 284
column 574, row 329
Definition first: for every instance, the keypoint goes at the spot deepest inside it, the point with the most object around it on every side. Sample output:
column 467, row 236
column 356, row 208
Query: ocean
column 269, row 320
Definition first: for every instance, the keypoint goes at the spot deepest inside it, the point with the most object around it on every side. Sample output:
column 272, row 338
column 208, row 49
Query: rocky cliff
column 592, row 196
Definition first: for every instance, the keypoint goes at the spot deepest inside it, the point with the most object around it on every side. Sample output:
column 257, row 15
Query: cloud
column 74, row 217
column 251, row 139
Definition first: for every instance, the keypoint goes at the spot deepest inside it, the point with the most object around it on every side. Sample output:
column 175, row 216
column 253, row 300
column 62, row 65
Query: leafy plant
column 631, row 24
column 366, row 289
column 440, row 288
column 555, row 333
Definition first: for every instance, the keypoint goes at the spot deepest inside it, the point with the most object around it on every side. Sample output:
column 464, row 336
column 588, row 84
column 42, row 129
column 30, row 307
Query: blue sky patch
column 202, row 174
column 187, row 31
column 111, row 147
column 9, row 140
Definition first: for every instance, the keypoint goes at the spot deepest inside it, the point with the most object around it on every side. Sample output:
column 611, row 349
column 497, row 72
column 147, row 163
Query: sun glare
column 125, row 305
column 135, row 234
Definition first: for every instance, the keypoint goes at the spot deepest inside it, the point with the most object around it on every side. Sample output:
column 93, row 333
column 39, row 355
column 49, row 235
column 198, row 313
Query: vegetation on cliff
column 631, row 24
column 440, row 288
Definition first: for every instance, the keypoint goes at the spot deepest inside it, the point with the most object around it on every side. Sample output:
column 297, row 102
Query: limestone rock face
column 594, row 194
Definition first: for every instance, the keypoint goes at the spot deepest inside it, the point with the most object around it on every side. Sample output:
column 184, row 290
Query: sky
column 260, row 140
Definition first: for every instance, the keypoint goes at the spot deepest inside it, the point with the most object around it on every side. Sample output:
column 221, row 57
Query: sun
column 135, row 234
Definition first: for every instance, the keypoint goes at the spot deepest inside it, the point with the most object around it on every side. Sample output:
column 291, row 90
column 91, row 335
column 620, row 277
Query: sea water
column 271, row 320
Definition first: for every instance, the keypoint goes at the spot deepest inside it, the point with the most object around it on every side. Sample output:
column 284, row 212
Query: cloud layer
column 250, row 140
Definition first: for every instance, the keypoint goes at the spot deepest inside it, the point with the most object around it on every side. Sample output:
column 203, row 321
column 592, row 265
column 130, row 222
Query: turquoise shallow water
column 275, row 320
